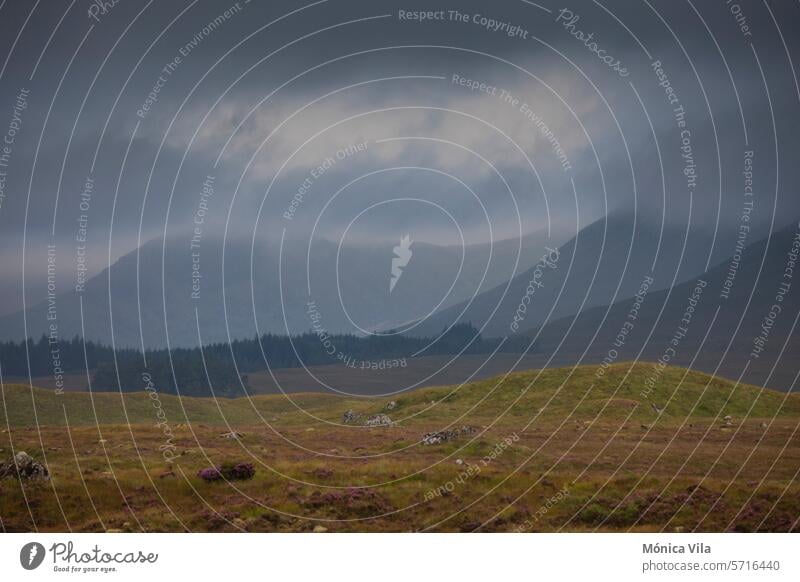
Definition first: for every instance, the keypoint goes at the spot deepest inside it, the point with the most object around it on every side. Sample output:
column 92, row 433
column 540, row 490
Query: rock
column 763, row 425
column 378, row 420
column 459, row 461
column 442, row 436
column 350, row 417
column 320, row 529
column 232, row 435
column 391, row 405
column 23, row 466
column 678, row 529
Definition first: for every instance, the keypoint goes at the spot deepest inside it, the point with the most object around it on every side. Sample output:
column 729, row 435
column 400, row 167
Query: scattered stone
column 23, row 466
column 350, row 417
column 442, row 436
column 233, row 435
column 378, row 420
column 391, row 405
column 320, row 529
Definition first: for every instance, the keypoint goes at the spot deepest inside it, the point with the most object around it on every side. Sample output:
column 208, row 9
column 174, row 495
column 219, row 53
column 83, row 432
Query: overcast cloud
column 263, row 94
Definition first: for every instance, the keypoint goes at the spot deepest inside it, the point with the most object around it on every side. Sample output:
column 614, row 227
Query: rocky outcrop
column 443, row 436
column 22, row 466
column 350, row 417
column 379, row 420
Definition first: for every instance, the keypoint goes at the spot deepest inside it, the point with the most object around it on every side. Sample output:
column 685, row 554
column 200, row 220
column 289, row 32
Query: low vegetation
column 559, row 449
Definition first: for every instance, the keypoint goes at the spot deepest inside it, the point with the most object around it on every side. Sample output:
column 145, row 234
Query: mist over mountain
column 605, row 262
column 736, row 320
column 168, row 293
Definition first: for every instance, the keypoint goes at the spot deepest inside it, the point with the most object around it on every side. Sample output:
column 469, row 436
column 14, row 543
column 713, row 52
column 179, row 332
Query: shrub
column 228, row 471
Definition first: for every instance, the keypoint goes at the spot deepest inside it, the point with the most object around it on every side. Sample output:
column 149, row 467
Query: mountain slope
column 349, row 287
column 606, row 261
column 754, row 292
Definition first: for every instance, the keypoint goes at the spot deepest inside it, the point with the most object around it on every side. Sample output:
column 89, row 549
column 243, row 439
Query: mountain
column 715, row 322
column 605, row 262
column 157, row 294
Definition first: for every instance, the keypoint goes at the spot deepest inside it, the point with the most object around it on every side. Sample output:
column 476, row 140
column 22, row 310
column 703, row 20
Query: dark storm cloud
column 141, row 98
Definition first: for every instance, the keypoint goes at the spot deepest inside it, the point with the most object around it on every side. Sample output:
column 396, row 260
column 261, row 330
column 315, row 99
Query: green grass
column 553, row 393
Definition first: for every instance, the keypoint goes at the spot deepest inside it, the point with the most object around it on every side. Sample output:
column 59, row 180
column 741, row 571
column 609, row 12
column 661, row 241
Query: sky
column 366, row 120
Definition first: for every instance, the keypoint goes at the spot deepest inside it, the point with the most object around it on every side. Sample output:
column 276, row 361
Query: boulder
column 350, row 417
column 442, row 436
column 23, row 466
column 378, row 420
column 391, row 405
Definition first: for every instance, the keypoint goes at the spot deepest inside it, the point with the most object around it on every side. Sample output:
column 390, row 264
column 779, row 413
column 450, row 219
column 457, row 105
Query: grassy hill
column 583, row 392
column 559, row 449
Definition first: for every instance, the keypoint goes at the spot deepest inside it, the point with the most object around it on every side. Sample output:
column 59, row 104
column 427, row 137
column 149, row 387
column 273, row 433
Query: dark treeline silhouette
column 223, row 368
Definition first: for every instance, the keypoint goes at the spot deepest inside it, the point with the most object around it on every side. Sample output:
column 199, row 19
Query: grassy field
column 561, row 449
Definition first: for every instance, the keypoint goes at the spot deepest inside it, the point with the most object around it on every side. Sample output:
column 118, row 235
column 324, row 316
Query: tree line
column 223, row 367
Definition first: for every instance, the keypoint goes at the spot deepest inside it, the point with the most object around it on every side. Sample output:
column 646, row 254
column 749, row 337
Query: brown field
column 556, row 450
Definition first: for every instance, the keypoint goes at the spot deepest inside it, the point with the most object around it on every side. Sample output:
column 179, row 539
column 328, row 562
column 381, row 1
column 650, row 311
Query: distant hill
column 160, row 277
column 755, row 286
column 605, row 262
